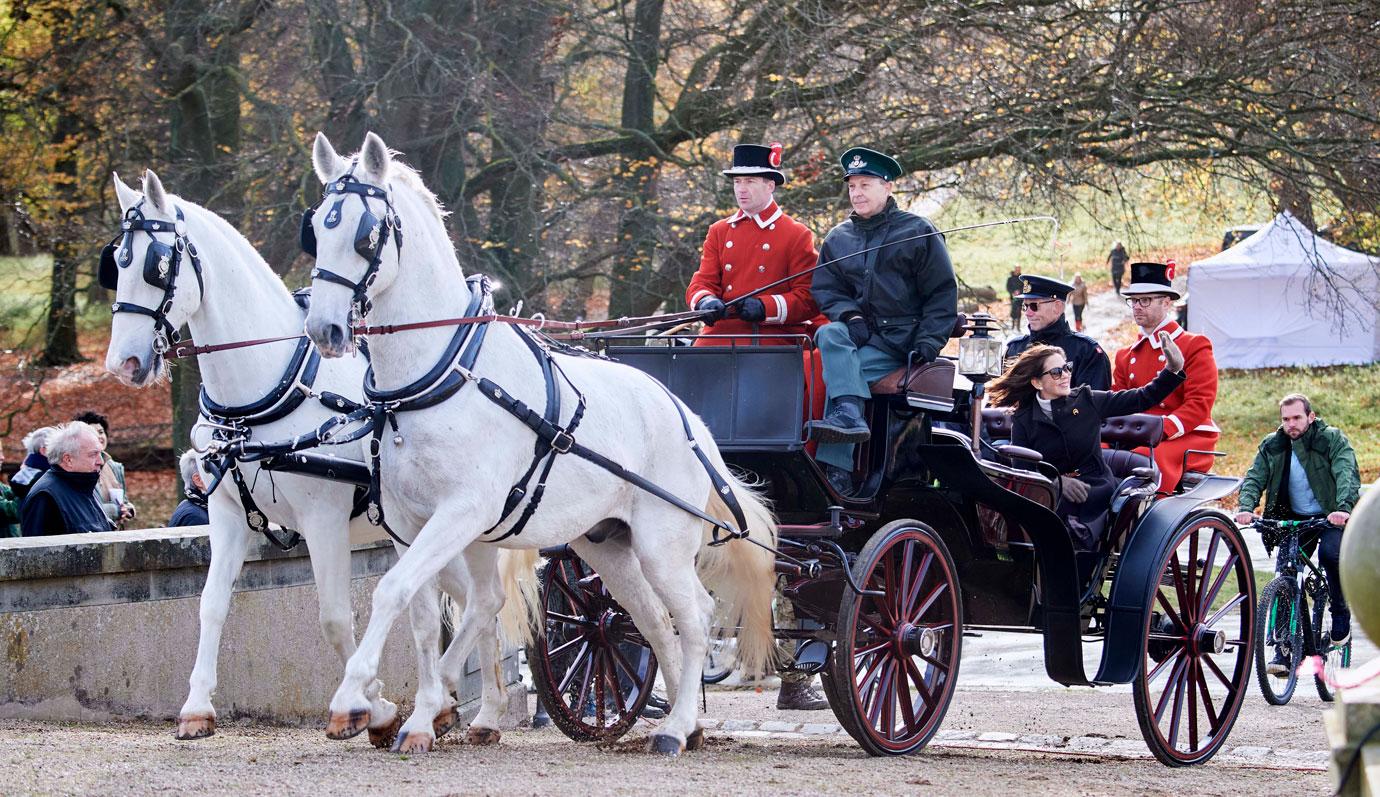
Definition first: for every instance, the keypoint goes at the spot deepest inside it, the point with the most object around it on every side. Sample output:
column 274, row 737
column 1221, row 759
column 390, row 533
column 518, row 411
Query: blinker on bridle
column 371, row 235
column 162, row 263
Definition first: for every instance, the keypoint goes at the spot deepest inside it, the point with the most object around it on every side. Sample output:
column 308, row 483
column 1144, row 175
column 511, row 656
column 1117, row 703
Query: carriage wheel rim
column 1204, row 601
column 914, row 620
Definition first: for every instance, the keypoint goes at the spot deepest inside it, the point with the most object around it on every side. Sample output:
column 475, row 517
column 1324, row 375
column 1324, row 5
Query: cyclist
column 1306, row 469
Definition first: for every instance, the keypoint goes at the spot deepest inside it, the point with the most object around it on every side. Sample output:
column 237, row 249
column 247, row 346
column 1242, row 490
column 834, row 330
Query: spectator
column 35, row 461
column 1078, row 297
column 63, row 500
column 1118, row 259
column 192, row 510
column 9, row 506
column 1304, row 470
column 1013, row 288
column 110, row 490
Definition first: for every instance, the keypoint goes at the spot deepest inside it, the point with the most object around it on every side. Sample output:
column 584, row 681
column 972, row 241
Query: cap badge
column 857, row 162
column 1025, row 287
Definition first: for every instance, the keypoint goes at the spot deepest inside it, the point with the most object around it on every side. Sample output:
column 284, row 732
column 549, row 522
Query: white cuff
column 1177, row 423
column 695, row 300
column 780, row 316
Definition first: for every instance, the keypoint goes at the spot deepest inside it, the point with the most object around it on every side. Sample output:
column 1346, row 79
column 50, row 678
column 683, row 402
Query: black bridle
column 162, row 264
column 371, row 235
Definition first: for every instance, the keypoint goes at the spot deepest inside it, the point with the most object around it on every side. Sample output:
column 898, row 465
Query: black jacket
column 1091, row 366
column 191, row 512
column 1072, row 440
column 63, row 503
column 906, row 291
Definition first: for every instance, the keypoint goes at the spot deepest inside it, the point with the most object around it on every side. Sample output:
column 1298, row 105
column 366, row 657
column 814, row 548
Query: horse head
column 355, row 236
column 156, row 276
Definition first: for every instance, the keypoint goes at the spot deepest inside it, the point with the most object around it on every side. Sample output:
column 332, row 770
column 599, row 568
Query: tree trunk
column 60, row 345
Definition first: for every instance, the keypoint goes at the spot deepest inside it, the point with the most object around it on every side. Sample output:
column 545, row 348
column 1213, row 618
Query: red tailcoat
column 1187, row 412
column 743, row 253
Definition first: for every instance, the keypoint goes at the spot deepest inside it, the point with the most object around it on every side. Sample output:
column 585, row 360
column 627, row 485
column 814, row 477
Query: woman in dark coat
column 1064, row 424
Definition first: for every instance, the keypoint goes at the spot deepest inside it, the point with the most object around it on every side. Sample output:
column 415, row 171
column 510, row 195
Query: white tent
column 1284, row 296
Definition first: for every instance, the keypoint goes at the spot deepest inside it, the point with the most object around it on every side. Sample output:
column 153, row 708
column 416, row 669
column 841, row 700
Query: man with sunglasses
column 1042, row 301
column 1188, row 424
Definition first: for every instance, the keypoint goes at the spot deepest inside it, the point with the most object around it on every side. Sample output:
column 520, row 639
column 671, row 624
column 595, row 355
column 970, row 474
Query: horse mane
column 410, row 177
column 230, row 232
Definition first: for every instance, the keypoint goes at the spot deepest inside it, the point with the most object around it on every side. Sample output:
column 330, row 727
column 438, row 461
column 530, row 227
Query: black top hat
column 756, row 160
column 1151, row 278
column 1033, row 287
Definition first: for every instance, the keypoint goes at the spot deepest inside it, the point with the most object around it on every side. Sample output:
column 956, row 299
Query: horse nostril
column 335, row 335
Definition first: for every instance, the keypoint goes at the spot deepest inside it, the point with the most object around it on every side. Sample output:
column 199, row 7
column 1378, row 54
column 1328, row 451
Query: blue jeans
column 848, row 370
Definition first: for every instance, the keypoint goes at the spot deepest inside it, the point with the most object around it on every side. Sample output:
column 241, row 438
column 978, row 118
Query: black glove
column 752, row 310
column 713, row 308
column 922, row 356
column 858, row 331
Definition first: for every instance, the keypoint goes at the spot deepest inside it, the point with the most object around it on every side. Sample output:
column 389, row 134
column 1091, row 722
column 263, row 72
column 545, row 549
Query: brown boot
column 800, row 696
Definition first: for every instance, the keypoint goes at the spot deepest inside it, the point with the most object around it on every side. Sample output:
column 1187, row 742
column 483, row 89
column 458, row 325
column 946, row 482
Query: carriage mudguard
column 1138, row 570
column 1059, row 582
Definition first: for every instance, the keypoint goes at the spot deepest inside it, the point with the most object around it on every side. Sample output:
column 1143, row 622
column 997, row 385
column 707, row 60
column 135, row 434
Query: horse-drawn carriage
column 942, row 542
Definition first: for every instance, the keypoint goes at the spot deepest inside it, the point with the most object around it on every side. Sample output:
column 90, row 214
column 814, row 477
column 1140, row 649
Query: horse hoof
column 197, row 726
column 695, row 741
column 412, row 743
column 346, row 726
column 668, row 746
column 382, row 738
column 444, row 721
column 482, row 736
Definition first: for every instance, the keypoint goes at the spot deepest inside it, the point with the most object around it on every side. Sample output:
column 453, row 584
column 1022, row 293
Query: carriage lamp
column 979, row 354
column 979, row 359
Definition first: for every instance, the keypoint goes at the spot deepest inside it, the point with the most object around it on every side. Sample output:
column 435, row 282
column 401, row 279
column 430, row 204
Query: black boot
column 799, row 696
column 843, row 424
column 840, row 479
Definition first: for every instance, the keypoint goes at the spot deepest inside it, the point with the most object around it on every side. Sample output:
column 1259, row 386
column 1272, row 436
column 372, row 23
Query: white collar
column 1045, row 404
column 1154, row 336
column 764, row 219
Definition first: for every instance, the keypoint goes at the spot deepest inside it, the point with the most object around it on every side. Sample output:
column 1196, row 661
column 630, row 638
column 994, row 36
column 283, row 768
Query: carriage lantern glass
column 979, row 353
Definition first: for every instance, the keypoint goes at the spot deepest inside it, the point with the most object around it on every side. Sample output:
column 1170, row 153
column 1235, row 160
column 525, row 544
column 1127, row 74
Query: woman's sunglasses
column 1064, row 370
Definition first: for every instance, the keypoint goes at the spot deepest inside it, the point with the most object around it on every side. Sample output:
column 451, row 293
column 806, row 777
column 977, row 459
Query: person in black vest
column 192, row 510
column 1064, row 424
column 1042, row 301
column 63, row 500
column 35, row 462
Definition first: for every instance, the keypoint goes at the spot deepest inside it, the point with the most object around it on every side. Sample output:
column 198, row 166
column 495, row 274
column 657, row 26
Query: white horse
column 461, row 457
column 243, row 299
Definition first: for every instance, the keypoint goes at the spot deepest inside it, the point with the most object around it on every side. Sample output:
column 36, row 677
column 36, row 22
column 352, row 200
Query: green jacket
column 9, row 512
column 1327, row 457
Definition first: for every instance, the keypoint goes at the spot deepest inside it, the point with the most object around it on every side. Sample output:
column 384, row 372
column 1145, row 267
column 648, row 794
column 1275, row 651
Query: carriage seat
column 931, row 385
column 1125, row 432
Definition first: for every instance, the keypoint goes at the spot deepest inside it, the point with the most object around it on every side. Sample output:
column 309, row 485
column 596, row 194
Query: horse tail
column 742, row 576
column 521, row 610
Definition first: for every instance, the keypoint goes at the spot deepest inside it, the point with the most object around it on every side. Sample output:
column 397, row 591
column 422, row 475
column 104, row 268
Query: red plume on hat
column 1169, row 267
column 775, row 157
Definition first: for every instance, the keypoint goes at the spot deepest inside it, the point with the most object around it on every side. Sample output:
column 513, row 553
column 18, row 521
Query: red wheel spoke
column 902, row 596
column 569, row 619
column 1180, row 677
column 1181, row 592
column 576, row 598
column 610, row 670
column 868, row 677
column 918, row 678
column 909, row 611
column 1206, row 594
column 600, row 688
column 582, row 699
column 1192, row 677
column 1168, row 661
column 560, row 650
column 1220, row 613
column 903, row 699
column 1212, row 665
column 574, row 667
column 877, row 621
column 939, row 589
column 871, row 649
column 1208, row 706
column 877, row 693
column 1168, row 687
column 622, row 661
column 1190, row 596
column 1168, row 609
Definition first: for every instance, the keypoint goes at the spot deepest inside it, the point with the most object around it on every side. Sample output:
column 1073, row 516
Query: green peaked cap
column 861, row 160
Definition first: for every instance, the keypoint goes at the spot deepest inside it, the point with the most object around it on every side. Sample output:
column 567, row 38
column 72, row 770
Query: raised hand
column 1173, row 358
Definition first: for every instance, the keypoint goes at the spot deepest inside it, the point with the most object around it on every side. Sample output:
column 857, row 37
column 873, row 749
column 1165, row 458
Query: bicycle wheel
column 721, row 658
column 1334, row 657
column 1277, row 636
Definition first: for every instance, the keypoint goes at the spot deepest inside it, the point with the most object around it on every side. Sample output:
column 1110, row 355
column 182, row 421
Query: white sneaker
column 1335, row 659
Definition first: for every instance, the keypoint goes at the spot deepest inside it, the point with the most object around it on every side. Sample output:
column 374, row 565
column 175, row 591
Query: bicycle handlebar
column 1263, row 524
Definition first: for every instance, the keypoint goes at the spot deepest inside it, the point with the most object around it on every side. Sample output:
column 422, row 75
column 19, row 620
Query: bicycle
column 1286, row 631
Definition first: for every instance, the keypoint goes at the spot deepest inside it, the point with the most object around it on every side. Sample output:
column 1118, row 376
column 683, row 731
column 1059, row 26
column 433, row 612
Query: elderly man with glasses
column 1188, row 424
column 1042, row 301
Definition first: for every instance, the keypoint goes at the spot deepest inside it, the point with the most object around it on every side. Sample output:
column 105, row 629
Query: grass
column 1346, row 396
column 24, row 286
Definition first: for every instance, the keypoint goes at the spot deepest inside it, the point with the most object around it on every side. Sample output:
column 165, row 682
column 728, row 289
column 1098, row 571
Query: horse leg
column 330, row 564
column 229, row 546
column 477, row 629
column 668, row 561
column 417, row 735
column 443, row 537
column 617, row 565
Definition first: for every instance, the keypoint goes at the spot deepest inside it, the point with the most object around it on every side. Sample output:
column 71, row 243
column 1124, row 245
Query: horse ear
column 374, row 156
column 126, row 196
column 157, row 196
column 325, row 161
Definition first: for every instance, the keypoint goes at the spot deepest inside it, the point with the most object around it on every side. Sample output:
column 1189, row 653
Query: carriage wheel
column 593, row 669
column 1278, row 633
column 1196, row 654
column 893, row 670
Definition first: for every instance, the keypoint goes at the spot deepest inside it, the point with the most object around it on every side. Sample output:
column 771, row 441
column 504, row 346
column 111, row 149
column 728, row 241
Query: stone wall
column 101, row 626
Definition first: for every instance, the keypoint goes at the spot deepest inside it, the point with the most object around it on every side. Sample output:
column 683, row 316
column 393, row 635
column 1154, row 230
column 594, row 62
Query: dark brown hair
column 1297, row 398
column 1013, row 388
